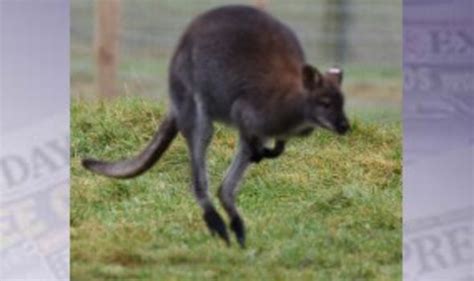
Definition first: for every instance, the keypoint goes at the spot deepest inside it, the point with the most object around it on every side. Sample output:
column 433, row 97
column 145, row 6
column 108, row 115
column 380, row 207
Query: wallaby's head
column 324, row 104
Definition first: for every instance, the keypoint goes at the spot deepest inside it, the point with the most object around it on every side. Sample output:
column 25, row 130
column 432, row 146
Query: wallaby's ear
column 335, row 75
column 312, row 78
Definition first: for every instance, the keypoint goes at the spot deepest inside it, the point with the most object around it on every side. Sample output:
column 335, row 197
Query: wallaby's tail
column 135, row 166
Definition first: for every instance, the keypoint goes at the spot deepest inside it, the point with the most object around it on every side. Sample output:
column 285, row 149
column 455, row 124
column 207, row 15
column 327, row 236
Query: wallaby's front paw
column 274, row 152
column 261, row 152
column 256, row 157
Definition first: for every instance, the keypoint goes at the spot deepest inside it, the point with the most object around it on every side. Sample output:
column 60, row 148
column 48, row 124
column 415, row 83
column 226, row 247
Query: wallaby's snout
column 343, row 126
column 325, row 104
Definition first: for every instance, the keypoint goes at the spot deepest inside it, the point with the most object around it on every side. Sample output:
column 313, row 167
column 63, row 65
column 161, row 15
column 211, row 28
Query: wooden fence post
column 336, row 24
column 107, row 22
column 262, row 4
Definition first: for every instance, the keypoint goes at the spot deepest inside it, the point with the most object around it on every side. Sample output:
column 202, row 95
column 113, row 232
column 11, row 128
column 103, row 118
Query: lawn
column 328, row 209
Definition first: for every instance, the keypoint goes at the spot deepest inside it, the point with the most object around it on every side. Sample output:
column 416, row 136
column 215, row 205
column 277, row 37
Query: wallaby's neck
column 288, row 116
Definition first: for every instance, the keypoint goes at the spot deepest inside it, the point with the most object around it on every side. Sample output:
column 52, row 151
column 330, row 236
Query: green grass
column 328, row 209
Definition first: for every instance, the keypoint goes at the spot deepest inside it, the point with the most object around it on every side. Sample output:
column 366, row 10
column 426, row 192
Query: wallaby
column 240, row 66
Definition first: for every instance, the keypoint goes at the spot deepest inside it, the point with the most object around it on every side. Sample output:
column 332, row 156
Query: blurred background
column 129, row 44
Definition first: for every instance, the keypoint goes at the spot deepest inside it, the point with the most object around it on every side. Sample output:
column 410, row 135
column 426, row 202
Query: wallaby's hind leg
column 198, row 137
column 228, row 189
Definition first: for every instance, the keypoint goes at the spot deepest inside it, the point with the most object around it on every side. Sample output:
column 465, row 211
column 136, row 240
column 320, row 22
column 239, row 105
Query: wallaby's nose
column 343, row 127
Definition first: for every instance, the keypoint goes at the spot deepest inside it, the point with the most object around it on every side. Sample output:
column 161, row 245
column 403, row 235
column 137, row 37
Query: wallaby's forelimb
column 259, row 151
column 274, row 152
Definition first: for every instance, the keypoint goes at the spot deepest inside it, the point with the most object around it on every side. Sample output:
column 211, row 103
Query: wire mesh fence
column 364, row 34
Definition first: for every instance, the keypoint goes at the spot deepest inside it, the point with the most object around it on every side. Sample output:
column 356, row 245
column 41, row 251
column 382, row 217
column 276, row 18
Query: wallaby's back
column 233, row 51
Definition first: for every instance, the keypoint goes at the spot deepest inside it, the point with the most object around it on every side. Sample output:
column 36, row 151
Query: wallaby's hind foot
column 237, row 226
column 216, row 224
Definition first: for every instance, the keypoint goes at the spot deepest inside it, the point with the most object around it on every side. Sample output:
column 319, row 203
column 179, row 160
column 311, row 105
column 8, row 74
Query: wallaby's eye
column 326, row 103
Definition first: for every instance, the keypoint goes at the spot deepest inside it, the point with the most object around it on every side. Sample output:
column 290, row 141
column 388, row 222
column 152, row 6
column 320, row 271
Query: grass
column 328, row 209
